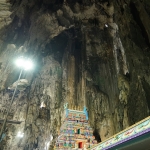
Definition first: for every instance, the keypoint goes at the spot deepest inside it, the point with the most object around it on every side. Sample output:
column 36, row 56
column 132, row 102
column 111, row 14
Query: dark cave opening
column 146, row 88
column 136, row 17
column 72, row 2
column 67, row 40
column 17, row 34
column 56, row 47
column 97, row 136
column 50, row 4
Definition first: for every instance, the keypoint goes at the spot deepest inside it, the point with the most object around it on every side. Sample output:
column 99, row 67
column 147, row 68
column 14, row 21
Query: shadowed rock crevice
column 97, row 136
column 146, row 88
column 136, row 17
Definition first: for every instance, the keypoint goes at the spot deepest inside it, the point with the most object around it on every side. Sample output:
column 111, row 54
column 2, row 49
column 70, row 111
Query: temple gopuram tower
column 75, row 132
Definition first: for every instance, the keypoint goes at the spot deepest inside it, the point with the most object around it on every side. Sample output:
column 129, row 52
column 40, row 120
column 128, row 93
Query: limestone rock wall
column 134, row 17
column 86, row 53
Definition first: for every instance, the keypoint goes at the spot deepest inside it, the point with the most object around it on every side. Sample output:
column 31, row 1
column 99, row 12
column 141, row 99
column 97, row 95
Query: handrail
column 125, row 135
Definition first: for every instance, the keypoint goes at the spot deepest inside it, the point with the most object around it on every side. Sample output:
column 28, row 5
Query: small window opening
column 78, row 131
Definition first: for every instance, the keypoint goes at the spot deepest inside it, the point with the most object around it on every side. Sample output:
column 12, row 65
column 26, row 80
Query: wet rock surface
column 93, row 53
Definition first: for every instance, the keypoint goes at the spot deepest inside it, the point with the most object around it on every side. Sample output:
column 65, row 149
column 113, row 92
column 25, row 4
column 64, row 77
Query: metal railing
column 133, row 131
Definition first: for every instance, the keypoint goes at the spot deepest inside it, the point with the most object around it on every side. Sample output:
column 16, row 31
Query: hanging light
column 20, row 134
column 24, row 63
column 106, row 25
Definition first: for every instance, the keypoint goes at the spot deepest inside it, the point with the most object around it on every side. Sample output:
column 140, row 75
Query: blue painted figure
column 86, row 113
column 66, row 108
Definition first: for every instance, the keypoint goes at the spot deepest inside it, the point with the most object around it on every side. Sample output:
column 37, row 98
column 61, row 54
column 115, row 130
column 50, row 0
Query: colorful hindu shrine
column 75, row 132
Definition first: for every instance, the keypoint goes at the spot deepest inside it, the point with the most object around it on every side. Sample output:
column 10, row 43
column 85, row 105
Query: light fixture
column 28, row 65
column 19, row 62
column 20, row 134
column 106, row 25
column 24, row 63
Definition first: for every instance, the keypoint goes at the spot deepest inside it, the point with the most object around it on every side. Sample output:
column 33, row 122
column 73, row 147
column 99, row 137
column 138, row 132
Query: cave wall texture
column 79, row 61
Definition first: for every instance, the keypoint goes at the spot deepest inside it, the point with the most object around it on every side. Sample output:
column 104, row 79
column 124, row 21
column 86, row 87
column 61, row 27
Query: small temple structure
column 75, row 132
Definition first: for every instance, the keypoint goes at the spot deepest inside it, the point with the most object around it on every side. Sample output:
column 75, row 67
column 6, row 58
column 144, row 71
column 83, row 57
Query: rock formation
column 93, row 53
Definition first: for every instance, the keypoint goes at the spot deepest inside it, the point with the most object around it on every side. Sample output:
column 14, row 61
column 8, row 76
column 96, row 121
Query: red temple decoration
column 75, row 132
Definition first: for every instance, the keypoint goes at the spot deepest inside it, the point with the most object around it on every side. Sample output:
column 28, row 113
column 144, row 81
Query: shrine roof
column 76, row 111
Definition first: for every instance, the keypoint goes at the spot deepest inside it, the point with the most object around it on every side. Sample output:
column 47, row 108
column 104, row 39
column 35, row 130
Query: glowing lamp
column 24, row 63
column 20, row 134
column 106, row 25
